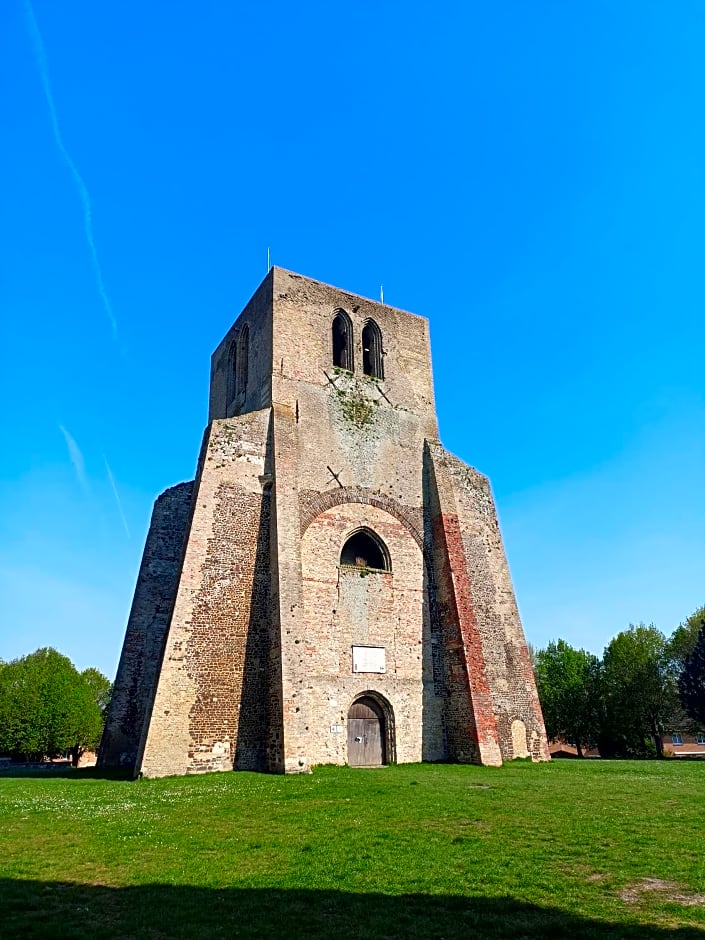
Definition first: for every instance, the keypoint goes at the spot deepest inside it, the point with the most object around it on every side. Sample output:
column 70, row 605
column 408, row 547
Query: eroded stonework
column 332, row 588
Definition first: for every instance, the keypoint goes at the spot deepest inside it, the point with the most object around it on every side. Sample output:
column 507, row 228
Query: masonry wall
column 506, row 702
column 349, row 447
column 224, row 402
column 470, row 721
column 345, row 606
column 138, row 670
column 210, row 708
column 303, row 354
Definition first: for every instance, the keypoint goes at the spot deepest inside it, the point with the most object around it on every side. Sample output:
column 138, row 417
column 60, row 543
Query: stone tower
column 332, row 587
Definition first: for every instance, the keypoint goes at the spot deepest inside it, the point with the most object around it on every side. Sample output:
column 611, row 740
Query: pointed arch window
column 242, row 361
column 342, row 341
column 232, row 373
column 365, row 549
column 372, row 363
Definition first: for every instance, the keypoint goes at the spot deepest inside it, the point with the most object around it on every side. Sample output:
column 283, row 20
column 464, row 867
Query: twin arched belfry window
column 343, row 346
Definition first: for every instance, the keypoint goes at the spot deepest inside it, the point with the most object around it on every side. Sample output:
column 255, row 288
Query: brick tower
column 332, row 587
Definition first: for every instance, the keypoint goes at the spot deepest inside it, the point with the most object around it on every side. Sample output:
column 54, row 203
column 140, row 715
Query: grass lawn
column 575, row 848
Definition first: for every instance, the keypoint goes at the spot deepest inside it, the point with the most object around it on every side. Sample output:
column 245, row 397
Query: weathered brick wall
column 258, row 394
column 286, row 587
column 142, row 650
column 507, row 676
column 302, row 344
column 360, row 424
column 345, row 444
column 343, row 607
column 210, row 709
column 470, row 721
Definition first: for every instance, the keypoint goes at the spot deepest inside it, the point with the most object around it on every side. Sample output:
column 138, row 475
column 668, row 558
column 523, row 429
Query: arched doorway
column 369, row 732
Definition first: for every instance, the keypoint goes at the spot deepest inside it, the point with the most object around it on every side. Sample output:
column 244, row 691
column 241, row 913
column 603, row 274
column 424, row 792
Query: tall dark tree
column 691, row 682
column 568, row 685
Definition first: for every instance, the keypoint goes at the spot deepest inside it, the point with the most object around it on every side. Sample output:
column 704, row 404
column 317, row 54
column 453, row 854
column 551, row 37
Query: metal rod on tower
column 381, row 292
column 268, row 262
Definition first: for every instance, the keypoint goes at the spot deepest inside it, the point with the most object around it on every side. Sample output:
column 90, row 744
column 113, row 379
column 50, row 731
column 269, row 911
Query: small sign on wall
column 336, row 729
column 369, row 659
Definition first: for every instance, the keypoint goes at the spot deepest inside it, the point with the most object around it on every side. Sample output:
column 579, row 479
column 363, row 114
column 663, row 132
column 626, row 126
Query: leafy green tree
column 101, row 690
column 568, row 685
column 691, row 681
column 641, row 698
column 46, row 707
column 100, row 685
column 685, row 636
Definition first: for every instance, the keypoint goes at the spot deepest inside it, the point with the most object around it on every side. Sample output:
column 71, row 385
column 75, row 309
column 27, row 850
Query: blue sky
column 531, row 177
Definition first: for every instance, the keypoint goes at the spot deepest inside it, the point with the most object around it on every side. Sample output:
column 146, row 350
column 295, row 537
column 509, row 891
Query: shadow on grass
column 56, row 909
column 62, row 771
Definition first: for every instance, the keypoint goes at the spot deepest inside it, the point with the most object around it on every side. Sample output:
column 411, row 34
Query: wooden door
column 365, row 734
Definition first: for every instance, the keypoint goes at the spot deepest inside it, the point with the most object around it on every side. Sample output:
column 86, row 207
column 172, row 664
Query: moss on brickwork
column 357, row 409
column 353, row 396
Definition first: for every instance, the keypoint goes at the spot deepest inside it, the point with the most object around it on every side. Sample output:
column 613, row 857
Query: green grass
column 433, row 851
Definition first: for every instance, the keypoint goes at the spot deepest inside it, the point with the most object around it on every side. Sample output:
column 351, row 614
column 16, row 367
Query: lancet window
column 232, row 373
column 242, row 361
column 372, row 363
column 343, row 341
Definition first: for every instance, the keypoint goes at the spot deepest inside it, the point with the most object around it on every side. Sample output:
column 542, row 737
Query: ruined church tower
column 332, row 587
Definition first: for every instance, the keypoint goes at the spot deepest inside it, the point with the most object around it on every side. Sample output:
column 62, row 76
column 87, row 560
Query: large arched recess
column 347, row 605
column 318, row 503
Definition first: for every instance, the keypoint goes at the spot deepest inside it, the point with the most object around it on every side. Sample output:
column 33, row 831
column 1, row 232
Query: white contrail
column 43, row 67
column 117, row 496
column 76, row 458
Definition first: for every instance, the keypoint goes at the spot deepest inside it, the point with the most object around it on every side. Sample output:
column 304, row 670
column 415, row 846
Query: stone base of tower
column 237, row 653
column 211, row 708
column 207, row 706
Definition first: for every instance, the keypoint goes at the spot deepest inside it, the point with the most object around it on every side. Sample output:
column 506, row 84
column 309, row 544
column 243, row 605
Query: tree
column 685, row 636
column 101, row 690
column 100, row 686
column 691, row 682
column 46, row 707
column 568, row 687
column 640, row 688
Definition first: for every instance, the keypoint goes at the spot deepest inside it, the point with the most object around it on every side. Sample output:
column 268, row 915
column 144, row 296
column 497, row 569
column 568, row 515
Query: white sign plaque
column 368, row 659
